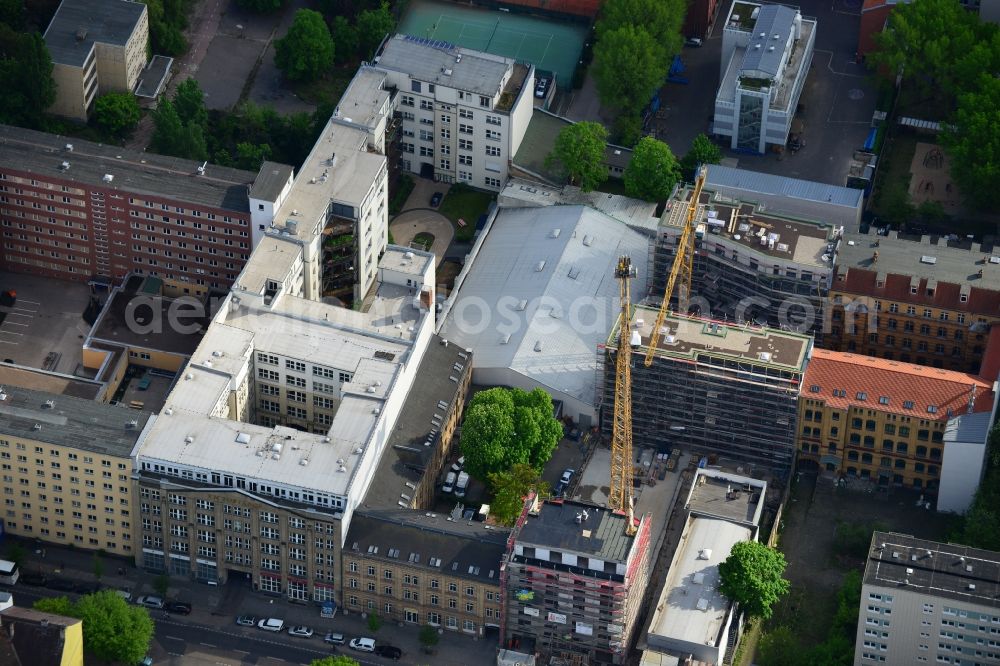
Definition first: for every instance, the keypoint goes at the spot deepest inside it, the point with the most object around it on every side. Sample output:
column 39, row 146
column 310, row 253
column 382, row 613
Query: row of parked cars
column 37, row 579
column 361, row 644
column 457, row 480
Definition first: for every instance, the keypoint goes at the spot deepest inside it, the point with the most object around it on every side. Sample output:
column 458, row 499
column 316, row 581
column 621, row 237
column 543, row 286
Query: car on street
column 567, row 475
column 150, row 601
column 61, row 585
column 542, row 87
column 300, row 631
column 146, row 661
column 693, row 42
column 246, row 620
column 449, row 483
column 179, row 607
column 436, row 199
column 334, row 639
column 388, row 651
column 362, row 644
column 271, row 624
column 33, row 578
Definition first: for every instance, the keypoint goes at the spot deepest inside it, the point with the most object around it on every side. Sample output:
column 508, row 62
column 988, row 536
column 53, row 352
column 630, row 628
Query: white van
column 449, row 483
column 462, row 484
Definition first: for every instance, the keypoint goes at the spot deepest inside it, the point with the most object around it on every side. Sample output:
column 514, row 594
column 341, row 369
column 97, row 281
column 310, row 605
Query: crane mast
column 621, row 437
column 681, row 269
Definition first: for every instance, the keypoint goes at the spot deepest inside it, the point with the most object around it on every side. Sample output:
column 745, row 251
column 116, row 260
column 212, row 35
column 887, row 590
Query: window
column 426, row 152
column 445, row 133
column 465, row 144
column 464, row 129
column 416, row 86
column 297, row 366
column 493, row 151
column 484, row 101
column 491, row 182
column 492, row 135
column 445, row 164
column 465, row 113
column 465, row 159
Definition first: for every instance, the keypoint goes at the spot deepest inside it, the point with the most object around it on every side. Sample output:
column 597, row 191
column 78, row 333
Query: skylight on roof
column 907, row 404
column 861, row 395
column 932, row 409
column 883, row 400
column 814, row 388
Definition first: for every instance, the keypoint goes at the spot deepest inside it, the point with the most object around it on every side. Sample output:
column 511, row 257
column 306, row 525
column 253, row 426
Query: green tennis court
column 550, row 45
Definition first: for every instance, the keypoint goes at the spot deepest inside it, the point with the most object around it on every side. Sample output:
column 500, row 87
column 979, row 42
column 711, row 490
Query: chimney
column 972, row 398
column 990, row 368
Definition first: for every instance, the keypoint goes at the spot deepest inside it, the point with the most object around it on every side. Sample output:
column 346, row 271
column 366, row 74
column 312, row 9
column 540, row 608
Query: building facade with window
column 67, row 470
column 924, row 602
column 463, row 112
column 927, row 300
column 420, row 568
column 886, row 422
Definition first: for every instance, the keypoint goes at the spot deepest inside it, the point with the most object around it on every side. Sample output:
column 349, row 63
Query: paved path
column 409, row 223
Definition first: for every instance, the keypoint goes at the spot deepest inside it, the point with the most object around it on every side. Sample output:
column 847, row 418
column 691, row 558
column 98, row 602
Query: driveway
column 408, row 224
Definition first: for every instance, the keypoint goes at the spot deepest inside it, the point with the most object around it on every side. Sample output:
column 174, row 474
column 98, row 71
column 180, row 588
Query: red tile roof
column 897, row 288
column 901, row 383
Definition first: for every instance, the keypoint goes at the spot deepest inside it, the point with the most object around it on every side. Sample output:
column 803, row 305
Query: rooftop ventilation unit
column 108, row 178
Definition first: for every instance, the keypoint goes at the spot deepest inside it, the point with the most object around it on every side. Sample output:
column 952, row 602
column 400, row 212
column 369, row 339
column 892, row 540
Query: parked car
column 150, row 601
column 436, row 199
column 61, row 585
column 462, row 484
column 271, row 624
column 388, row 651
column 125, row 594
column 33, row 578
column 458, row 465
column 300, row 631
column 334, row 639
column 542, row 87
column 179, row 607
column 363, row 644
column 449, row 483
column 146, row 661
column 693, row 41
column 246, row 620
column 567, row 475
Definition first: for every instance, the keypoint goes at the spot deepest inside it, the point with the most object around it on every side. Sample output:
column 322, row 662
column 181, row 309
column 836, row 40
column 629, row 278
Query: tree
column 505, row 427
column 250, row 156
column 189, row 101
column 16, row 553
column 973, row 143
column 894, row 203
column 374, row 622
column 161, row 584
column 25, row 78
column 262, row 6
column 306, row 51
column 171, row 136
column 751, row 576
column 703, row 151
column 652, row 172
column 345, row 38
column 428, row 636
column 627, row 129
column 629, row 66
column 12, row 13
column 509, row 490
column 580, row 149
column 337, row 660
column 55, row 605
column 116, row 113
column 372, row 27
column 112, row 629
column 779, row 647
column 662, row 19
column 167, row 19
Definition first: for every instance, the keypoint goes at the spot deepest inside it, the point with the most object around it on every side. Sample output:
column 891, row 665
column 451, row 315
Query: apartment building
column 423, row 568
column 926, row 602
column 76, row 210
column 888, row 422
column 713, row 388
column 927, row 300
column 67, row 469
column 97, row 46
column 464, row 112
column 766, row 54
column 40, row 639
column 752, row 261
column 572, row 582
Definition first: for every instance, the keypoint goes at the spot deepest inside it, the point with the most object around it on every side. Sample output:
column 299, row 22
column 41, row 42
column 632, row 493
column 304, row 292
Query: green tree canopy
column 703, row 151
column 629, row 66
column 167, row 20
column 189, row 101
column 505, row 427
column 116, row 113
column 579, row 149
column 372, row 26
column 652, row 172
column 306, row 51
column 262, row 6
column 510, row 487
column 428, row 636
column 346, row 39
column 12, row 13
column 662, row 19
column 25, row 78
column 337, row 660
column 173, row 137
column 752, row 577
column 779, row 647
column 112, row 629
column 973, row 143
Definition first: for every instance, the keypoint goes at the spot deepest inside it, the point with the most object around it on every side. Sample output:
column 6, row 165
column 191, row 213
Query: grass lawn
column 326, row 90
column 425, row 239
column 894, row 171
column 463, row 202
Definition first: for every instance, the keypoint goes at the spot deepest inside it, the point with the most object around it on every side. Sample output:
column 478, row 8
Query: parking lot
column 45, row 327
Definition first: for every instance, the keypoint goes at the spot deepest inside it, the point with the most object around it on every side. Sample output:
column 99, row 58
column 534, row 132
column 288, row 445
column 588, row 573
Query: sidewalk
column 217, row 607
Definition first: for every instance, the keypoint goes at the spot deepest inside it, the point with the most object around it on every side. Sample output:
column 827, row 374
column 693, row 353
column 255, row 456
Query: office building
column 67, row 469
column 713, row 388
column 422, row 568
column 766, row 54
column 40, row 639
column 573, row 581
column 927, row 300
column 97, row 46
column 692, row 619
column 887, row 422
column 81, row 211
column 464, row 112
column 924, row 602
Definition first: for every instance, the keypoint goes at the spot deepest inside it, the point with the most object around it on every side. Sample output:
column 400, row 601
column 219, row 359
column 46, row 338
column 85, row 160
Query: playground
column 930, row 178
column 550, row 45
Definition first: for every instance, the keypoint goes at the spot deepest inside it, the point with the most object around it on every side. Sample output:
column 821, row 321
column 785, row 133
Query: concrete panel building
column 966, row 438
column 464, row 112
column 928, row 602
column 572, row 582
column 68, row 469
column 713, row 388
column 97, row 46
column 766, row 54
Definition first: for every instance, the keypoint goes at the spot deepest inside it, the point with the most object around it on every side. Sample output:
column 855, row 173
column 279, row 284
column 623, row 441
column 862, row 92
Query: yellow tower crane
column 681, row 269
column 621, row 436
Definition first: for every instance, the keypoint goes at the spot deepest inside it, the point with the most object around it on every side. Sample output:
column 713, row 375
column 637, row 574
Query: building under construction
column 572, row 583
column 713, row 388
